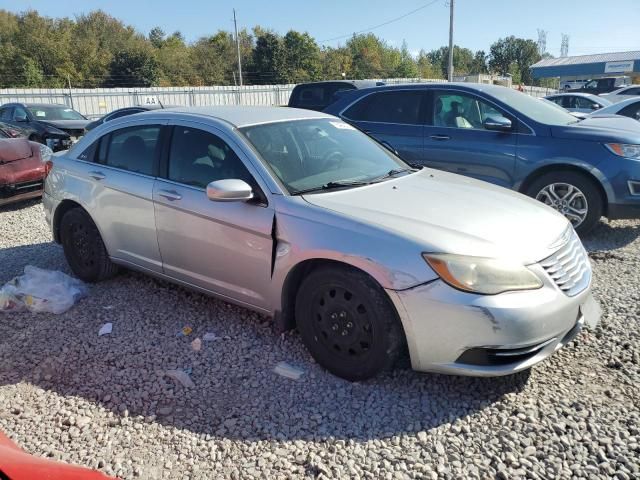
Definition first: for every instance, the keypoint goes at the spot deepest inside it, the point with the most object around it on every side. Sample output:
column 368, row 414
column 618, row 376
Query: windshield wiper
column 353, row 183
column 332, row 185
column 391, row 173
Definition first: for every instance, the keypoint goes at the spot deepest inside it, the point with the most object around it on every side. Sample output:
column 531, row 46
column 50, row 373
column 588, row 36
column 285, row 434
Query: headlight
column 624, row 150
column 45, row 153
column 482, row 275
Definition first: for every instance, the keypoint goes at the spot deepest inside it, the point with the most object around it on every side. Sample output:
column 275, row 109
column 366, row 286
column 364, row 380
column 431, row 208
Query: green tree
column 335, row 63
column 514, row 56
column 407, row 67
column 300, row 58
column 367, row 52
column 479, row 63
column 462, row 60
column 156, row 37
column 426, row 69
column 134, row 67
column 267, row 56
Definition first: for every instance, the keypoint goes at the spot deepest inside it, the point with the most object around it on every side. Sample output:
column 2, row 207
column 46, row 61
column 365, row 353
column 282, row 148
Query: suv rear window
column 317, row 96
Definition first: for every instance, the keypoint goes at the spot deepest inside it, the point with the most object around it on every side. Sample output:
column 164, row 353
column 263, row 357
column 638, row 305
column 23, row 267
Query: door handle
column 97, row 175
column 440, row 137
column 170, row 195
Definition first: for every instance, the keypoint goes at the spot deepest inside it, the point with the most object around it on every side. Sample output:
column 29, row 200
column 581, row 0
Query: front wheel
column 572, row 194
column 348, row 323
column 83, row 247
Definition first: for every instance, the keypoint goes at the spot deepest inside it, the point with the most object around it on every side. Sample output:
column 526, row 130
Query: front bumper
column 454, row 332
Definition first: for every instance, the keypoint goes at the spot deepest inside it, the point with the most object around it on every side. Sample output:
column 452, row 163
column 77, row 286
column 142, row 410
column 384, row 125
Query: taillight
column 46, row 155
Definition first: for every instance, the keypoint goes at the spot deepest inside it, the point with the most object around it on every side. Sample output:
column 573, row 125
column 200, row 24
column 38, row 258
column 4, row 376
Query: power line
column 381, row 24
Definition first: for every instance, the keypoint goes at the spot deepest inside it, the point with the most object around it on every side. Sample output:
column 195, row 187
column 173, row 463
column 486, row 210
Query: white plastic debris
column 288, row 371
column 39, row 290
column 105, row 329
column 210, row 337
column 181, row 377
column 196, row 345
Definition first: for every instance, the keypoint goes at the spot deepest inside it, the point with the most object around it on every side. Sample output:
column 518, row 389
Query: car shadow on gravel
column 611, row 235
column 13, row 207
column 44, row 255
column 236, row 395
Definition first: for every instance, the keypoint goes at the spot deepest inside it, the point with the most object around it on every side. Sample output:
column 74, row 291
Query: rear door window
column 133, row 148
column 402, row 107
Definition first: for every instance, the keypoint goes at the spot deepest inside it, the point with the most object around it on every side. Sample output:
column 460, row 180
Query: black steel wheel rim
column 83, row 245
column 341, row 322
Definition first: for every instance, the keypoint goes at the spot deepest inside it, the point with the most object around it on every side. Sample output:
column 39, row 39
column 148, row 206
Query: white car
column 627, row 108
column 579, row 102
column 623, row 93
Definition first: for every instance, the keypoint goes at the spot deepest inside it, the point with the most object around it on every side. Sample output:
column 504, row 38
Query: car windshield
column 533, row 108
column 319, row 154
column 54, row 112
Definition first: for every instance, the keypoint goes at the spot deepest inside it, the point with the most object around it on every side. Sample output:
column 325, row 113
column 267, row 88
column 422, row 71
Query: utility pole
column 450, row 70
column 235, row 26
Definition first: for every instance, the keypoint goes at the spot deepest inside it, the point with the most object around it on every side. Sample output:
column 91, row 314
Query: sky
column 592, row 26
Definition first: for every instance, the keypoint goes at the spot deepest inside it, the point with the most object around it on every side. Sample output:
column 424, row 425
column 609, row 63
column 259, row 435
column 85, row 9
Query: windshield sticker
column 40, row 113
column 342, row 125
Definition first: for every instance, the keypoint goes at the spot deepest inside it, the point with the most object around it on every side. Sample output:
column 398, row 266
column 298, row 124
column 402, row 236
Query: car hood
column 67, row 124
column 449, row 213
column 12, row 149
column 599, row 128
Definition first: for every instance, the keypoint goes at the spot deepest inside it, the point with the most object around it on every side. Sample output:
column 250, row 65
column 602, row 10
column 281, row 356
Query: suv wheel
column 572, row 194
column 83, row 247
column 348, row 323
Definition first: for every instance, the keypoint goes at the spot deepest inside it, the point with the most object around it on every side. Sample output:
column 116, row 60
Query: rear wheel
column 83, row 247
column 348, row 323
column 572, row 194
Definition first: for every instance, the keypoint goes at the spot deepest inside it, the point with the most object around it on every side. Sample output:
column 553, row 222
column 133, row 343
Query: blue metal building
column 589, row 66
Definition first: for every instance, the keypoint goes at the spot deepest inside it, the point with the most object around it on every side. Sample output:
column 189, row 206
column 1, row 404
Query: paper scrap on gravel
column 43, row 291
column 181, row 377
column 289, row 371
column 105, row 329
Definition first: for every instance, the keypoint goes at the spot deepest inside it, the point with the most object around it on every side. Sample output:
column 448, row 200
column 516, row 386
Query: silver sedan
column 299, row 216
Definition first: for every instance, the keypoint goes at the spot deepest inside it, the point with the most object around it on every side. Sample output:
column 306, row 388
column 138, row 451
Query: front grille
column 569, row 267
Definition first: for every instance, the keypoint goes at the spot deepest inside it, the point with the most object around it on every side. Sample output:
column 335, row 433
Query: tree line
column 98, row 50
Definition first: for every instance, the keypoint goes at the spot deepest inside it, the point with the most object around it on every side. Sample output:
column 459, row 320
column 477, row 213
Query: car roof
column 241, row 116
column 620, row 105
column 355, row 83
column 576, row 94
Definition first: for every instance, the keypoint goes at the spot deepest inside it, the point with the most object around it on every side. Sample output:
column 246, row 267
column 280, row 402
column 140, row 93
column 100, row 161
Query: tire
column 593, row 201
column 348, row 323
column 83, row 247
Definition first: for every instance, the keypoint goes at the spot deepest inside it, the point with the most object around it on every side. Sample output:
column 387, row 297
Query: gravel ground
column 104, row 402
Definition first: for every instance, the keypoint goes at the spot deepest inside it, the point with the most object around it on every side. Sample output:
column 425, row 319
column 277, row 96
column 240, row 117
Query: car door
column 394, row 118
column 457, row 141
column 117, row 173
column 223, row 247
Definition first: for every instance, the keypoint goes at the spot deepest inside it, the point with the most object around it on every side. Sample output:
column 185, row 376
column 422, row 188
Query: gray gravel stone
column 105, row 403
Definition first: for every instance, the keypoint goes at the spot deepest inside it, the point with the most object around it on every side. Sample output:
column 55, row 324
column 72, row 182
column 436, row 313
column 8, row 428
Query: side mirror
column 229, row 190
column 595, row 106
column 21, row 118
column 497, row 123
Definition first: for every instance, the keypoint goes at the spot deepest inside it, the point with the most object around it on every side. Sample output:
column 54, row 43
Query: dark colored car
column 601, row 85
column 56, row 126
column 123, row 112
column 585, row 169
column 16, row 464
column 23, row 166
column 319, row 95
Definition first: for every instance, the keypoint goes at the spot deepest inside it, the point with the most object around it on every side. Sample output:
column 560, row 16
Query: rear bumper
column 453, row 332
column 20, row 192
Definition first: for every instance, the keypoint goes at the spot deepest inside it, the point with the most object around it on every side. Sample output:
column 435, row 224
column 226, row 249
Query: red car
column 23, row 167
column 18, row 465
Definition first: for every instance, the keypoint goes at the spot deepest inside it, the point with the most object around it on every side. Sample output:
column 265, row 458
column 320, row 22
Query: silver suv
column 297, row 215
